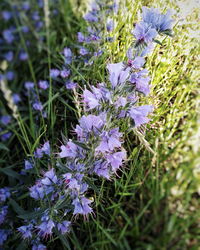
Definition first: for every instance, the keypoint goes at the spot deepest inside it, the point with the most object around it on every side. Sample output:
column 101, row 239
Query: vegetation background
column 155, row 202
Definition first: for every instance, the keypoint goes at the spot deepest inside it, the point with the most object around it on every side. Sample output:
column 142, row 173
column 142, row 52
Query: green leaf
column 157, row 41
column 11, row 173
column 3, row 147
column 31, row 215
column 17, row 208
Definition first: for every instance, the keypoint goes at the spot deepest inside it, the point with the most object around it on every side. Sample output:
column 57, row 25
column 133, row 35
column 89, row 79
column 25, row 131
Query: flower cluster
column 62, row 192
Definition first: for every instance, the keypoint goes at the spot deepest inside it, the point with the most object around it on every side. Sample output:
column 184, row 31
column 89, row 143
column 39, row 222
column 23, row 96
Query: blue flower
column 6, row 136
column 91, row 17
column 64, row 227
column 142, row 83
column 68, row 55
column 6, row 15
column 139, row 114
column 110, row 25
column 39, row 246
column 16, row 98
column 23, row 56
column 54, row 73
column 4, row 233
column 4, row 194
column 29, row 85
column 101, row 169
column 118, row 73
column 45, row 228
column 81, row 37
column 8, row 36
column 144, row 33
column 3, row 213
column 38, row 106
column 70, row 85
column 50, row 178
column 137, row 63
column 38, row 153
column 158, row 21
column 46, row 148
column 37, row 191
column 10, row 75
column 9, row 56
column 64, row 73
column 69, row 150
column 26, row 231
column 116, row 159
column 43, row 84
column 81, row 206
column 28, row 165
column 109, row 141
column 5, row 119
column 90, row 100
column 83, row 51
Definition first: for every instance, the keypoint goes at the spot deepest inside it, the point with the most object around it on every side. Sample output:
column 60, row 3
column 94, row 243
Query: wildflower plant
column 97, row 145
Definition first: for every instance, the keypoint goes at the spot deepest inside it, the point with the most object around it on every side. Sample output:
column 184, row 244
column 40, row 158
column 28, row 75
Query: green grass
column 154, row 204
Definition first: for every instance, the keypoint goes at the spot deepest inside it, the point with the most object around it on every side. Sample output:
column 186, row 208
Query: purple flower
column 39, row 246
column 3, row 213
column 116, row 159
column 50, row 178
column 81, row 37
column 121, row 102
column 110, row 25
column 158, row 21
column 70, row 85
column 83, row 51
column 101, row 169
column 90, row 100
column 4, row 194
column 144, row 33
column 54, row 73
column 137, row 63
column 6, row 15
column 16, row 98
column 69, row 150
column 81, row 206
column 165, row 22
column 5, row 119
column 10, row 75
column 65, row 73
column 26, row 6
column 4, row 235
column 46, row 148
column 9, row 56
column 38, row 106
column 64, row 227
column 29, row 85
column 25, row 29
column 23, row 56
column 43, row 84
column 142, row 83
column 45, row 228
column 139, row 114
column 8, row 36
column 91, row 17
column 38, row 153
column 90, row 123
column 26, row 231
column 118, row 74
column 37, row 191
column 6, row 136
column 28, row 165
column 109, row 141
column 68, row 55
